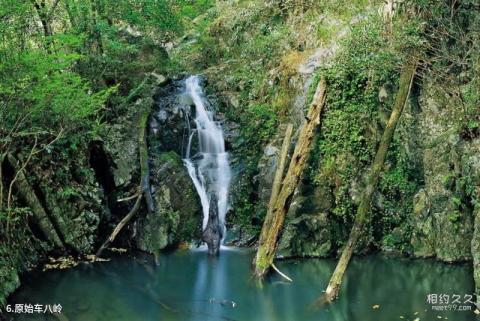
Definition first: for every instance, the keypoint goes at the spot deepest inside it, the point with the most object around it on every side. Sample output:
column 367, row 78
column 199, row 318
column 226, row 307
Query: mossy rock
column 177, row 216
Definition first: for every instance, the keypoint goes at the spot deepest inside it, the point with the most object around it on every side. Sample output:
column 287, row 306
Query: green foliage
column 260, row 125
column 450, row 36
column 67, row 70
column 45, row 88
column 353, row 123
column 351, row 126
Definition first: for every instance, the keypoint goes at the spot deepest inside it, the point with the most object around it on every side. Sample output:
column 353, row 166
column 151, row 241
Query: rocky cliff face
column 69, row 193
column 441, row 222
column 177, row 215
column 443, row 216
column 79, row 188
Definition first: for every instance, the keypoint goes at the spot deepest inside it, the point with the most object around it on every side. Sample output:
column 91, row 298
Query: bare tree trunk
column 28, row 195
column 277, row 182
column 45, row 15
column 268, row 244
column 96, row 35
column 406, row 79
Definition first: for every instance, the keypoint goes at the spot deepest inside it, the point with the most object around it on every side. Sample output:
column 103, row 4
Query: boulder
column 307, row 236
column 177, row 216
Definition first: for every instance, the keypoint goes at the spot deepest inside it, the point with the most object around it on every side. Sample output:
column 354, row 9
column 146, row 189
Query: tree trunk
column 277, row 182
column 42, row 13
column 95, row 32
column 28, row 195
column 144, row 168
column 271, row 229
column 406, row 79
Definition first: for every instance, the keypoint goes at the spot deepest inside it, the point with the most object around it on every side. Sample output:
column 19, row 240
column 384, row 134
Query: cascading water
column 209, row 167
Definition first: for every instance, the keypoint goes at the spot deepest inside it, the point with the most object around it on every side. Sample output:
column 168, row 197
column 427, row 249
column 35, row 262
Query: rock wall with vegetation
column 75, row 78
column 264, row 58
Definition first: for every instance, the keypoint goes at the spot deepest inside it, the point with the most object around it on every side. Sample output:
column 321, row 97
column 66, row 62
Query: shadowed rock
column 212, row 235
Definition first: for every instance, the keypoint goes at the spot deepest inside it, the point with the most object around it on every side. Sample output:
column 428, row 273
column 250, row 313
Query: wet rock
column 76, row 212
column 177, row 215
column 270, row 151
column 212, row 234
column 72, row 198
column 170, row 130
column 266, row 167
column 423, row 236
column 121, row 144
column 153, row 230
column 307, row 236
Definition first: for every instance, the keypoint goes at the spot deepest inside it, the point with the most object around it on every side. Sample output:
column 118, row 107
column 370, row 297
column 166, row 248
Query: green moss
column 170, row 156
column 352, row 126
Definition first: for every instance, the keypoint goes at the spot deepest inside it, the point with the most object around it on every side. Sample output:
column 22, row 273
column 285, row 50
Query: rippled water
column 189, row 285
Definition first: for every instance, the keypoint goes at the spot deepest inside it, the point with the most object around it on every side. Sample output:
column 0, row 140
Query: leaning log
column 271, row 229
column 406, row 80
column 144, row 188
column 28, row 195
column 277, row 181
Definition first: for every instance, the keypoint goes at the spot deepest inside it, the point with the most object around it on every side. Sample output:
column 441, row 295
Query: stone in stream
column 212, row 234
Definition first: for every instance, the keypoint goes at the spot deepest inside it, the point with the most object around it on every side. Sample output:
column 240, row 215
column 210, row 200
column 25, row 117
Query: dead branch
column 268, row 243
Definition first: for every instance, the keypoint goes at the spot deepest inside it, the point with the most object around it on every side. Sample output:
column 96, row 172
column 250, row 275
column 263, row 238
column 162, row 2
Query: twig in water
column 281, row 274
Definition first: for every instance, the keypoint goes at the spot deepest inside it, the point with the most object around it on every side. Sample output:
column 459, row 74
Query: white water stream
column 209, row 167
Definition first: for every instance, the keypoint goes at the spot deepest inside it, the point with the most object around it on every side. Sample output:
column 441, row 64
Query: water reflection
column 190, row 286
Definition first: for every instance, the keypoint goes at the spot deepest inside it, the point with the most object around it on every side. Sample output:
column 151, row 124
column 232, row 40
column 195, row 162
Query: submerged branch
column 286, row 277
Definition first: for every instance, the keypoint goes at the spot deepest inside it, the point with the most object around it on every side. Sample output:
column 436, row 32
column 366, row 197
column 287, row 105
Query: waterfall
column 209, row 168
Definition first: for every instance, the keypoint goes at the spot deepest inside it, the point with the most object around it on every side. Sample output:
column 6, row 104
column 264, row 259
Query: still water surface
column 190, row 286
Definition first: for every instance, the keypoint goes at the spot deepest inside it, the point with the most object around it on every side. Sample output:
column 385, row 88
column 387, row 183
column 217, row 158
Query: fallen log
column 406, row 80
column 120, row 225
column 271, row 228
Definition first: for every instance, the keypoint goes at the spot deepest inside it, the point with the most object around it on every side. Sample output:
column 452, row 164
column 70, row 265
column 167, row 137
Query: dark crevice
column 102, row 164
